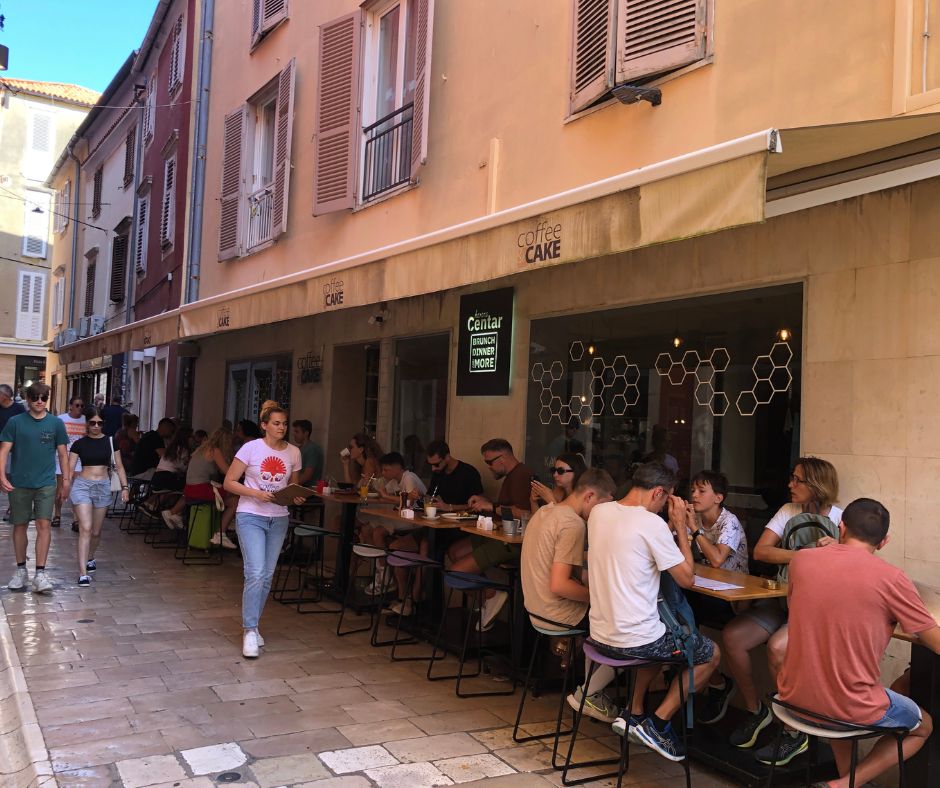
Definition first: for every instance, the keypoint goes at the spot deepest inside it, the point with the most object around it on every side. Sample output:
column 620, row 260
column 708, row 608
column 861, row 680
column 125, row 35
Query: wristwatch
column 697, row 533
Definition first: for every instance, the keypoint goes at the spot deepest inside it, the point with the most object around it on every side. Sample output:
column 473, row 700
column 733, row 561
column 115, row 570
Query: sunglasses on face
column 38, row 397
column 95, row 423
column 561, row 471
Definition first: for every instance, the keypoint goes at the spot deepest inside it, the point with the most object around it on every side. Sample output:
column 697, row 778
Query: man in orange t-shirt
column 844, row 605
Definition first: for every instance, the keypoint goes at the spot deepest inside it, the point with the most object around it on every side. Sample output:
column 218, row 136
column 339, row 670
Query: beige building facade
column 36, row 120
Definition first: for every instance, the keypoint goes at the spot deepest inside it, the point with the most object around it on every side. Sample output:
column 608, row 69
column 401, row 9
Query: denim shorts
column 662, row 649
column 96, row 492
column 902, row 712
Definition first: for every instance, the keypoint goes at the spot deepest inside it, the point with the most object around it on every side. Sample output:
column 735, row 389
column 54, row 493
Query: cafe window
column 250, row 383
column 420, row 397
column 701, row 383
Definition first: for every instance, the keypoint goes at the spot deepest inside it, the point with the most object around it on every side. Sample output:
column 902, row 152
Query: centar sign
column 542, row 243
column 484, row 352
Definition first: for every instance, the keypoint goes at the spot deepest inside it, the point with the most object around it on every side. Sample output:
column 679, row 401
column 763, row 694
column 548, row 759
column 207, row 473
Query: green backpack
column 804, row 530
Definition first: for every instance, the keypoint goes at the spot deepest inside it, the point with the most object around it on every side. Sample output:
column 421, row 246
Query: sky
column 79, row 41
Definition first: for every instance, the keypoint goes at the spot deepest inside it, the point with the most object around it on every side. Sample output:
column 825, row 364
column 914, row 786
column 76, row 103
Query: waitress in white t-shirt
column 269, row 464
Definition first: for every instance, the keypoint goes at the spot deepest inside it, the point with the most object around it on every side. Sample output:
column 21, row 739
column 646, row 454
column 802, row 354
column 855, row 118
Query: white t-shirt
column 779, row 521
column 75, row 429
column 269, row 470
column 629, row 547
column 410, row 482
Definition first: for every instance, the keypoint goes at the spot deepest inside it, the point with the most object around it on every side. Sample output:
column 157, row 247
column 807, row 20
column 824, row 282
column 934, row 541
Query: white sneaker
column 376, row 587
column 173, row 521
column 19, row 580
column 41, row 582
column 400, row 608
column 491, row 607
column 260, row 639
column 250, row 645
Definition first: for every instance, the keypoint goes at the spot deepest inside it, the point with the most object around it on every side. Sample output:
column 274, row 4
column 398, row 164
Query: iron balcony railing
column 260, row 210
column 387, row 161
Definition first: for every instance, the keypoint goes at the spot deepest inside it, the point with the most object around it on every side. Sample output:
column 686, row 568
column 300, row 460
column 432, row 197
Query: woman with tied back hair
column 566, row 470
column 814, row 487
column 269, row 464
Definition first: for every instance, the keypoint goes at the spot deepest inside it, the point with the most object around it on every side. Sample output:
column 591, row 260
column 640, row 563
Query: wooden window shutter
column 283, row 124
column 118, row 268
column 150, row 109
column 231, row 202
column 40, row 138
column 177, row 55
column 35, row 225
column 338, row 128
column 656, row 36
column 142, row 236
column 255, row 21
column 592, row 51
column 65, row 210
column 129, row 149
column 419, row 123
column 96, row 194
column 273, row 13
column 90, row 287
column 168, row 205
column 29, row 307
column 58, row 314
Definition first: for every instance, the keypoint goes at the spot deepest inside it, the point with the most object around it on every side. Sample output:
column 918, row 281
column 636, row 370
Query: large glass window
column 709, row 382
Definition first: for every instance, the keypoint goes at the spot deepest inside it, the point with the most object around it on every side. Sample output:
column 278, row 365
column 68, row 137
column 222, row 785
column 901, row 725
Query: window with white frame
column 177, row 57
column 40, row 143
column 168, row 202
column 35, row 224
column 29, row 305
column 63, row 202
column 370, row 144
column 265, row 16
column 256, row 152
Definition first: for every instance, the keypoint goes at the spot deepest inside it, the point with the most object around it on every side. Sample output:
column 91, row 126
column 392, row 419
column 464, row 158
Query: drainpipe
column 76, row 202
column 199, row 159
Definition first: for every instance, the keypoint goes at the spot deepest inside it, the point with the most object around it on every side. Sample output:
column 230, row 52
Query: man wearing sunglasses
column 36, row 439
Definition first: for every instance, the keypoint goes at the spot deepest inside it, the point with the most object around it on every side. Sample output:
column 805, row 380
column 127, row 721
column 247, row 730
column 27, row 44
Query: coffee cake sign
column 541, row 244
column 333, row 293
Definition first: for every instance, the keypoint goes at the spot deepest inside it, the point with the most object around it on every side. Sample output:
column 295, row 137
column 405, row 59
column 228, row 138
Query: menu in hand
column 286, row 496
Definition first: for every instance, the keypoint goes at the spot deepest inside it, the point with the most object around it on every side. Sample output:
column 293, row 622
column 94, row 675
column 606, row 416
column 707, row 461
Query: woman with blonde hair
column 207, row 467
column 268, row 464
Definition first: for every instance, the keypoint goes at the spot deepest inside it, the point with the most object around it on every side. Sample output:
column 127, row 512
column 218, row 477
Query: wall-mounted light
column 583, row 398
column 676, row 341
column 784, row 334
column 591, row 349
column 4, row 57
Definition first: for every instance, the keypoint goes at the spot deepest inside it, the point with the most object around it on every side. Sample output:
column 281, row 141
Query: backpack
column 804, row 530
column 676, row 613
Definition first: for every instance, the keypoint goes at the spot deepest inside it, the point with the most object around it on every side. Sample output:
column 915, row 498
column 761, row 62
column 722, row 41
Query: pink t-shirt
column 844, row 605
column 269, row 470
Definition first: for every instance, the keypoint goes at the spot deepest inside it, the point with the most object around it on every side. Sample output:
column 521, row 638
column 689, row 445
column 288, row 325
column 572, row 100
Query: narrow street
column 139, row 681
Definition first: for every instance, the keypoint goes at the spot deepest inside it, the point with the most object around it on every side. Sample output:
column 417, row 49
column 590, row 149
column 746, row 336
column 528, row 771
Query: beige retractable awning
column 712, row 189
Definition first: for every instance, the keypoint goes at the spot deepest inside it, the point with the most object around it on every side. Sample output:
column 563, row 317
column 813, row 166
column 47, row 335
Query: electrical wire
column 136, row 104
column 14, row 196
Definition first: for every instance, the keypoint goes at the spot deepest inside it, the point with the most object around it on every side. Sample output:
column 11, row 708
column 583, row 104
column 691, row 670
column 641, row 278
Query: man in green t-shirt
column 311, row 454
column 35, row 439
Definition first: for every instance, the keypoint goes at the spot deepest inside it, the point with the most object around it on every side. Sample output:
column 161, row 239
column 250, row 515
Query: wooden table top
column 752, row 587
column 419, row 521
column 499, row 536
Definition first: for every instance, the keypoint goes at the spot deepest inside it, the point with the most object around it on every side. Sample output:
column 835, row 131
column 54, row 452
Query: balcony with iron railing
column 387, row 156
column 260, row 212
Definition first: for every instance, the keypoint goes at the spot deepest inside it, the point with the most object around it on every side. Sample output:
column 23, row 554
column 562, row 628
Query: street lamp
column 4, row 57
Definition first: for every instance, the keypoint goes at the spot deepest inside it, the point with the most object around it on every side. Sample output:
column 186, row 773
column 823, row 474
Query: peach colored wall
column 500, row 70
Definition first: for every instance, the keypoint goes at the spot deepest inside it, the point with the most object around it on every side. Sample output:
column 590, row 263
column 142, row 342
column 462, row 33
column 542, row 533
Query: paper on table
column 714, row 585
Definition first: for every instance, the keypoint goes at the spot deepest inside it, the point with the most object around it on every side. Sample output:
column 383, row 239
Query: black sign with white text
column 485, row 343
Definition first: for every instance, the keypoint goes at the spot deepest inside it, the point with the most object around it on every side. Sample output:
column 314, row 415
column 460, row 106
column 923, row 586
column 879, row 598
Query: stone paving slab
column 138, row 681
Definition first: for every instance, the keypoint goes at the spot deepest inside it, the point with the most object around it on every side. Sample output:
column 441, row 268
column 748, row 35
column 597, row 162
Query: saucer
column 431, row 519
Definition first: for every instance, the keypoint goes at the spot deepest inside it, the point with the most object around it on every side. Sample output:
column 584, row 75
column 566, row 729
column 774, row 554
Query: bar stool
column 313, row 538
column 571, row 633
column 473, row 588
column 621, row 667
column 414, row 563
column 795, row 717
column 371, row 554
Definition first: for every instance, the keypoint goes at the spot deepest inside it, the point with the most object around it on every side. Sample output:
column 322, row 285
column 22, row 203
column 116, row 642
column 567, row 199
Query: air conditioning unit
column 95, row 324
column 57, row 342
column 67, row 336
column 84, row 326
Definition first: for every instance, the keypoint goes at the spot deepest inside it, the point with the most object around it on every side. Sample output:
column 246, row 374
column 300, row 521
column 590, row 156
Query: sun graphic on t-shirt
column 272, row 470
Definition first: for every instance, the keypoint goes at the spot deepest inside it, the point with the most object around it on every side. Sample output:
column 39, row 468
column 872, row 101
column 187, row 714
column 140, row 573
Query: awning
column 149, row 332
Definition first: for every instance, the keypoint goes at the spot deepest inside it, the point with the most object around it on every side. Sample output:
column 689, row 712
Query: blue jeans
column 260, row 539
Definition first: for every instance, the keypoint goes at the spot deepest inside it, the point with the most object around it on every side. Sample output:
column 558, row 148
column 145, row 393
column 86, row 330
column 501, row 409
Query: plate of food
column 459, row 515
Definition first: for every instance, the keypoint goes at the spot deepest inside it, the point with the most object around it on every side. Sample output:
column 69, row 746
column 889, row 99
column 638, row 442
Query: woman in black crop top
column 91, row 489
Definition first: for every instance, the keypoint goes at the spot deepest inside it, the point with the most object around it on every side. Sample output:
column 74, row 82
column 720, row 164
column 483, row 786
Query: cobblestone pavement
column 138, row 681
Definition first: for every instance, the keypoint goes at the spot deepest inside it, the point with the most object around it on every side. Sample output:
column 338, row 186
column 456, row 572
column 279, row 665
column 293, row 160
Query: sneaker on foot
column 401, row 608
column 745, row 735
column 75, row 526
column 260, row 639
column 376, row 587
column 56, row 522
column 173, row 521
column 91, row 566
column 491, row 607
column 665, row 742
column 715, row 704
column 623, row 725
column 792, row 743
column 250, row 645
column 19, row 580
column 41, row 582
column 84, row 580
column 597, row 706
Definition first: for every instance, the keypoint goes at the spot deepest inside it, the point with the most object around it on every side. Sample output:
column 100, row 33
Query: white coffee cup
column 430, row 511
column 344, row 453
